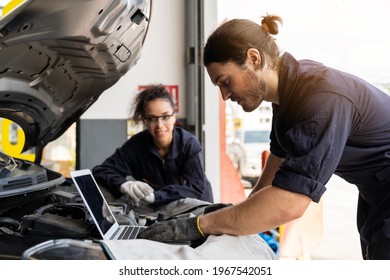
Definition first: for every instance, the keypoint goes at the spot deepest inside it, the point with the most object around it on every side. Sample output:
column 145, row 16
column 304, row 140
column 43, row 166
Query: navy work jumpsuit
column 328, row 121
column 179, row 175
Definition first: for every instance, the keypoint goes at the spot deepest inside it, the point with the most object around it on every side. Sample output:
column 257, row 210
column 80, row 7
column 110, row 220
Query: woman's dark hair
column 143, row 98
column 230, row 41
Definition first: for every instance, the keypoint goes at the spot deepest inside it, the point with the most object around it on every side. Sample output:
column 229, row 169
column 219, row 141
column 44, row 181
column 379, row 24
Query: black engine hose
column 9, row 223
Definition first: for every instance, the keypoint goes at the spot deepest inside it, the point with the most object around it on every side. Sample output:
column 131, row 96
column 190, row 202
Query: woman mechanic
column 160, row 164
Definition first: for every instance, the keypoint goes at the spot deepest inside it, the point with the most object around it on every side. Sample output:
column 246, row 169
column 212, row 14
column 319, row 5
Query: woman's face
column 241, row 84
column 160, row 119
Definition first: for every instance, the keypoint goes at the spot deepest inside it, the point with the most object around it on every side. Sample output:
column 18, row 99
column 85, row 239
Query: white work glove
column 149, row 198
column 138, row 190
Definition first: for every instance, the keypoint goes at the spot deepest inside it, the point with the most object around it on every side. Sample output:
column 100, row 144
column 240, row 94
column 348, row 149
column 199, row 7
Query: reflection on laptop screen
column 97, row 205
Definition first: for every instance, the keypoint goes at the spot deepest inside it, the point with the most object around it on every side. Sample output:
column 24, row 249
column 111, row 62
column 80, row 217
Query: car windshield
column 256, row 136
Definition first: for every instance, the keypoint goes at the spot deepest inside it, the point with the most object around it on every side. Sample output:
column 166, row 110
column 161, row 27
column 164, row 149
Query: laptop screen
column 94, row 198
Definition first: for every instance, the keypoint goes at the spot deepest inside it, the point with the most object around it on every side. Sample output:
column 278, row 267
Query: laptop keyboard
column 130, row 232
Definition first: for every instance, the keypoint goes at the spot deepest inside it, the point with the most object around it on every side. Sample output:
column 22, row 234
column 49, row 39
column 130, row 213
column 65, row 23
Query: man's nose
column 225, row 93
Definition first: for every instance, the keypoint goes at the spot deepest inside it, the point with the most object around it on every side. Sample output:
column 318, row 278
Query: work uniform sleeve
column 195, row 183
column 113, row 171
column 314, row 144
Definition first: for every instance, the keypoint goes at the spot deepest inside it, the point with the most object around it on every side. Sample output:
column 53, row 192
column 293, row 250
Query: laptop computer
column 98, row 207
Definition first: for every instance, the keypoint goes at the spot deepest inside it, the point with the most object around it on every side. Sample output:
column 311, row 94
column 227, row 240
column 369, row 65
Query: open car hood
column 57, row 57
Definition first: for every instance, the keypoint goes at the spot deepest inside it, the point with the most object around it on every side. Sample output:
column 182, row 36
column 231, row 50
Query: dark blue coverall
column 328, row 121
column 179, row 175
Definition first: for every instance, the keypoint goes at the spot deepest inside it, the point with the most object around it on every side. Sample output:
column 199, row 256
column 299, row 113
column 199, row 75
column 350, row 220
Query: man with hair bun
column 325, row 122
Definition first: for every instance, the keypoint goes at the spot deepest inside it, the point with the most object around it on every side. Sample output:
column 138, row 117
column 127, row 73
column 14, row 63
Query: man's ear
column 255, row 58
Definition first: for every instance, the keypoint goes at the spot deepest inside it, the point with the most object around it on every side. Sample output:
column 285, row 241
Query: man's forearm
column 267, row 175
column 264, row 210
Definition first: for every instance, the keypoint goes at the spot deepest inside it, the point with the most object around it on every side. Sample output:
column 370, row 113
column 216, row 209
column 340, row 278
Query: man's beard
column 254, row 92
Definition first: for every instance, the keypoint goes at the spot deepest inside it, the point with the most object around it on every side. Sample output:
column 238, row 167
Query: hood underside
column 57, row 57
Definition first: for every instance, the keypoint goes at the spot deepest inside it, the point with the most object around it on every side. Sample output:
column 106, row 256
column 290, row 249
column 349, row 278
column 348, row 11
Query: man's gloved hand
column 173, row 230
column 137, row 190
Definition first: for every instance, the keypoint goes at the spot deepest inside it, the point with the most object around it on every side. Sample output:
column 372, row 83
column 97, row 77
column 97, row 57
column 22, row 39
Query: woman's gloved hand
column 138, row 190
column 173, row 230
column 150, row 198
